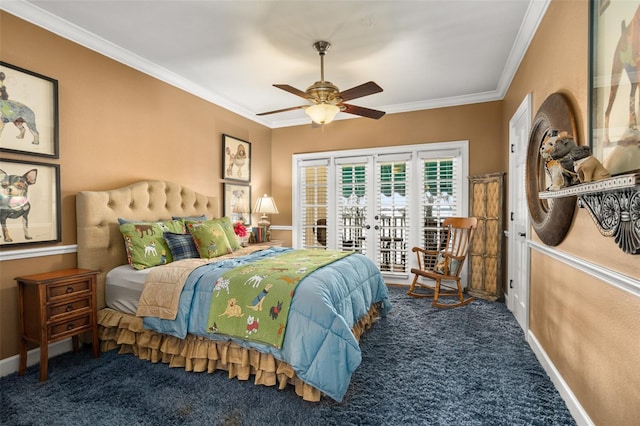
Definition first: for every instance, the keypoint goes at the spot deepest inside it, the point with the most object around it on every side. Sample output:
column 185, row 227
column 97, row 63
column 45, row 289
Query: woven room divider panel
column 485, row 257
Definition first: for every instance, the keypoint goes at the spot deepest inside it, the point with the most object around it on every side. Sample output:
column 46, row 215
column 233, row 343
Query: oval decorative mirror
column 552, row 217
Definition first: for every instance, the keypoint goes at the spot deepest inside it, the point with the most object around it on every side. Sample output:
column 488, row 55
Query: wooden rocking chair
column 445, row 263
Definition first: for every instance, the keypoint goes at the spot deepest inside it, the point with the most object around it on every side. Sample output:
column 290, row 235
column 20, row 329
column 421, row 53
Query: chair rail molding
column 37, row 252
column 614, row 278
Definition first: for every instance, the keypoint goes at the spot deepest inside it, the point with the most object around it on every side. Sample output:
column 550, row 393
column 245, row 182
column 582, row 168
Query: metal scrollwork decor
column 616, row 211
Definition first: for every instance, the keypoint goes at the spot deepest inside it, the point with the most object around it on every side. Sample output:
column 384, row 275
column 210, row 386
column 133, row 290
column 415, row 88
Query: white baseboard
column 10, row 365
column 579, row 414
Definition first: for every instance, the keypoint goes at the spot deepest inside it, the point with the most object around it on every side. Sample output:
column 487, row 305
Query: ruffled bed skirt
column 198, row 354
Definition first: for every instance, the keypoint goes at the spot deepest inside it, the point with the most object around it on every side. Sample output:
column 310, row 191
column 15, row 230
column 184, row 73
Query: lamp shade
column 241, row 205
column 322, row 113
column 266, row 205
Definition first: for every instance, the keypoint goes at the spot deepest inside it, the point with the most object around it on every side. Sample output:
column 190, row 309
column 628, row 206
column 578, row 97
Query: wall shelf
column 614, row 206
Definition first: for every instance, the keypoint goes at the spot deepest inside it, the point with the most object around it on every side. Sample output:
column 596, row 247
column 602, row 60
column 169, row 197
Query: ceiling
column 424, row 54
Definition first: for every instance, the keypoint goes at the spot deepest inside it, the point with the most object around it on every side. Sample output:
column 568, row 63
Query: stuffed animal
column 560, row 152
column 590, row 169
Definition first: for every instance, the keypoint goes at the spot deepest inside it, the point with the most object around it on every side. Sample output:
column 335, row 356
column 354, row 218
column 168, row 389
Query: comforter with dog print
column 327, row 303
column 258, row 296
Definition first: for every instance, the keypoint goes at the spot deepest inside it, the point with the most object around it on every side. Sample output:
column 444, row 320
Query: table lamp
column 265, row 205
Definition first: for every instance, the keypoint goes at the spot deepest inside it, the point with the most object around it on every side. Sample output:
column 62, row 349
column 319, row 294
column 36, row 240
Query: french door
column 380, row 202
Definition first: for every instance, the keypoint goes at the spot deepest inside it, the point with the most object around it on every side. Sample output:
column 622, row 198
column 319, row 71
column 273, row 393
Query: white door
column 518, row 270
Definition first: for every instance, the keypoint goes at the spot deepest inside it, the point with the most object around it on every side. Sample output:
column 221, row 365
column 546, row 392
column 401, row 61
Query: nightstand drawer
column 67, row 289
column 68, row 307
column 73, row 325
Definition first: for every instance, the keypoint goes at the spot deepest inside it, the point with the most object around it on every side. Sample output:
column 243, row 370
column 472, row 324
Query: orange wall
column 587, row 327
column 117, row 126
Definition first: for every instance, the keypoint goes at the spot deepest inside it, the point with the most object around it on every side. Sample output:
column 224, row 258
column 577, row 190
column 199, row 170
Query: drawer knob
column 69, row 308
column 69, row 326
column 69, row 289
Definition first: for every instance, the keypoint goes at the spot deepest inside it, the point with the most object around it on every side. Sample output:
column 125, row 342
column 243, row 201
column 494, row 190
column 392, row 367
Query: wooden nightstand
column 54, row 306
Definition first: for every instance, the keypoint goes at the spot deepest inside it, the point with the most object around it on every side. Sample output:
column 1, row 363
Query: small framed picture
column 236, row 159
column 28, row 112
column 237, row 203
column 29, row 203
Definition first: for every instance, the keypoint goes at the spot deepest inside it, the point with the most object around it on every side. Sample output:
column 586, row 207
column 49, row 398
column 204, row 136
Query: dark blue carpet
column 421, row 366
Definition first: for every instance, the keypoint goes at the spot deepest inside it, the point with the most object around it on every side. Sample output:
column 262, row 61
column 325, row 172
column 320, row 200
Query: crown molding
column 66, row 29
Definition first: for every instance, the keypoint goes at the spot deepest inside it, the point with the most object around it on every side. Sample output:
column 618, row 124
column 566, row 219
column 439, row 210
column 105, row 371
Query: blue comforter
column 318, row 343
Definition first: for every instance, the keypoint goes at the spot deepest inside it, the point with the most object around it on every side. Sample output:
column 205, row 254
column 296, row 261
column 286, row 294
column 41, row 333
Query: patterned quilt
column 252, row 301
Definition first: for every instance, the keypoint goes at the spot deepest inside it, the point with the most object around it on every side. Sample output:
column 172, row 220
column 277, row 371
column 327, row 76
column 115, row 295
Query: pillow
column 145, row 244
column 446, row 265
column 209, row 238
column 181, row 246
column 227, row 227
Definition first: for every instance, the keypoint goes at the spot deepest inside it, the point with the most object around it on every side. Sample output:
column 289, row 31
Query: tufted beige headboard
column 100, row 244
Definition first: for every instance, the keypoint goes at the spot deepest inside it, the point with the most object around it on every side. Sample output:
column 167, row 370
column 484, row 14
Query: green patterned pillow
column 227, row 227
column 210, row 238
column 145, row 243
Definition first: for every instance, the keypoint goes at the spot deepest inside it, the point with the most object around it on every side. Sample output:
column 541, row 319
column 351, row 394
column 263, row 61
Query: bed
column 338, row 301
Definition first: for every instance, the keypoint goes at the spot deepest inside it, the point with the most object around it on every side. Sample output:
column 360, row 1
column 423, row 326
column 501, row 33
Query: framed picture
column 236, row 159
column 237, row 203
column 29, row 112
column 613, row 75
column 29, row 203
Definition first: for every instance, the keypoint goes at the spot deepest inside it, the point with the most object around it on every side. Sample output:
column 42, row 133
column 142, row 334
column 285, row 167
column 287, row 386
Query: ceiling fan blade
column 283, row 110
column 362, row 111
column 292, row 90
column 365, row 89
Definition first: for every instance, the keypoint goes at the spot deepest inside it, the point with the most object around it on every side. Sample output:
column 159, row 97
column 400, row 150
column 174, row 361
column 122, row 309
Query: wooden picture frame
column 237, row 197
column 613, row 129
column 29, row 112
column 40, row 203
column 236, row 159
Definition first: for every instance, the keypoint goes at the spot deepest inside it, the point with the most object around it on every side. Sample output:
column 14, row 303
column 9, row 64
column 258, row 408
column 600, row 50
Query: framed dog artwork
column 236, row 159
column 614, row 100
column 28, row 112
column 237, row 203
column 29, row 203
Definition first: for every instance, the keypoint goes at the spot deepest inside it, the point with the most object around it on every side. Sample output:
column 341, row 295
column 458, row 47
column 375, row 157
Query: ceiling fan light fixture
column 322, row 113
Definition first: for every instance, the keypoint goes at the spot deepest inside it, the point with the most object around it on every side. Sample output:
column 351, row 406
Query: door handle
column 367, row 227
column 522, row 234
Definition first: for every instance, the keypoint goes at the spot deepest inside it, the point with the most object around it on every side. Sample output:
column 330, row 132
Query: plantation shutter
column 313, row 192
column 440, row 184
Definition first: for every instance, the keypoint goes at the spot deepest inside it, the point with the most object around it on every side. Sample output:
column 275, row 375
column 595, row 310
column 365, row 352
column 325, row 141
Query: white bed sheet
column 123, row 287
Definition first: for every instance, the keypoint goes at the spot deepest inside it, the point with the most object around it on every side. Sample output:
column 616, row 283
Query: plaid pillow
column 181, row 246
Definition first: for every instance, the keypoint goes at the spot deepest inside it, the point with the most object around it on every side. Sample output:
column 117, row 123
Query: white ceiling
column 424, row 54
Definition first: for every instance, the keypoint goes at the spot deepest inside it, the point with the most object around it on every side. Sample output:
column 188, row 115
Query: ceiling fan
column 327, row 100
